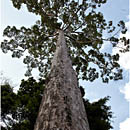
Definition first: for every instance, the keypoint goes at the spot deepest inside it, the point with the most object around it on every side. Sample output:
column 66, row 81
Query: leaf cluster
column 100, row 114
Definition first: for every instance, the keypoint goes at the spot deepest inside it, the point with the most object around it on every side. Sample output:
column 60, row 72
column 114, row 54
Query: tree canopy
column 84, row 28
column 19, row 110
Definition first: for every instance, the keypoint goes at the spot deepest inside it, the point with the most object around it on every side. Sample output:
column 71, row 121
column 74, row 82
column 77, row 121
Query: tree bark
column 62, row 107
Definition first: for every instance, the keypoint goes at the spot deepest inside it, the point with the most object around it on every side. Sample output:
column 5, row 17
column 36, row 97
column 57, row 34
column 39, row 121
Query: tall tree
column 62, row 106
column 83, row 27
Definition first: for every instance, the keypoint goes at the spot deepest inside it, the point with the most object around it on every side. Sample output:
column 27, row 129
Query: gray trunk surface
column 62, row 107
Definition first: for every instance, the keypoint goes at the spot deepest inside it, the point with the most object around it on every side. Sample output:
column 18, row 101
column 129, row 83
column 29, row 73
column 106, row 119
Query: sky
column 119, row 91
column 125, row 63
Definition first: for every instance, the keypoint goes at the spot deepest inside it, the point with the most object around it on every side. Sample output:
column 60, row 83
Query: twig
column 79, row 26
column 115, row 33
column 113, row 43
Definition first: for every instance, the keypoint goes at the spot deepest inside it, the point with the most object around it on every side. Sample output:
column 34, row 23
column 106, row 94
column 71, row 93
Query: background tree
column 8, row 104
column 22, row 109
column 19, row 110
column 101, row 113
column 84, row 27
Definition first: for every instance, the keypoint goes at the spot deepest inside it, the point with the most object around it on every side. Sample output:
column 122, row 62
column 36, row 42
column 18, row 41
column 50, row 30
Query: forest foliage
column 19, row 110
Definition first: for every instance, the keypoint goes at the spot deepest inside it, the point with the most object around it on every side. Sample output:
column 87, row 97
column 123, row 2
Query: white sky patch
column 126, row 91
column 95, row 100
column 125, row 125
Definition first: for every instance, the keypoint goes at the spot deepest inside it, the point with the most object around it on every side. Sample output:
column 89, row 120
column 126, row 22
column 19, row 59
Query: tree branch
column 5, row 124
column 77, row 40
column 70, row 22
column 79, row 27
column 113, row 43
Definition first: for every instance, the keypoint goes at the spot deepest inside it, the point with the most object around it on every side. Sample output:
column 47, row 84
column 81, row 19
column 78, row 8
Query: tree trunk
column 62, row 107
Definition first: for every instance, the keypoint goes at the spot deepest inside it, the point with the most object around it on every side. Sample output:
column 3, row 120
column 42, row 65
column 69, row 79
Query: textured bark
column 62, row 106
